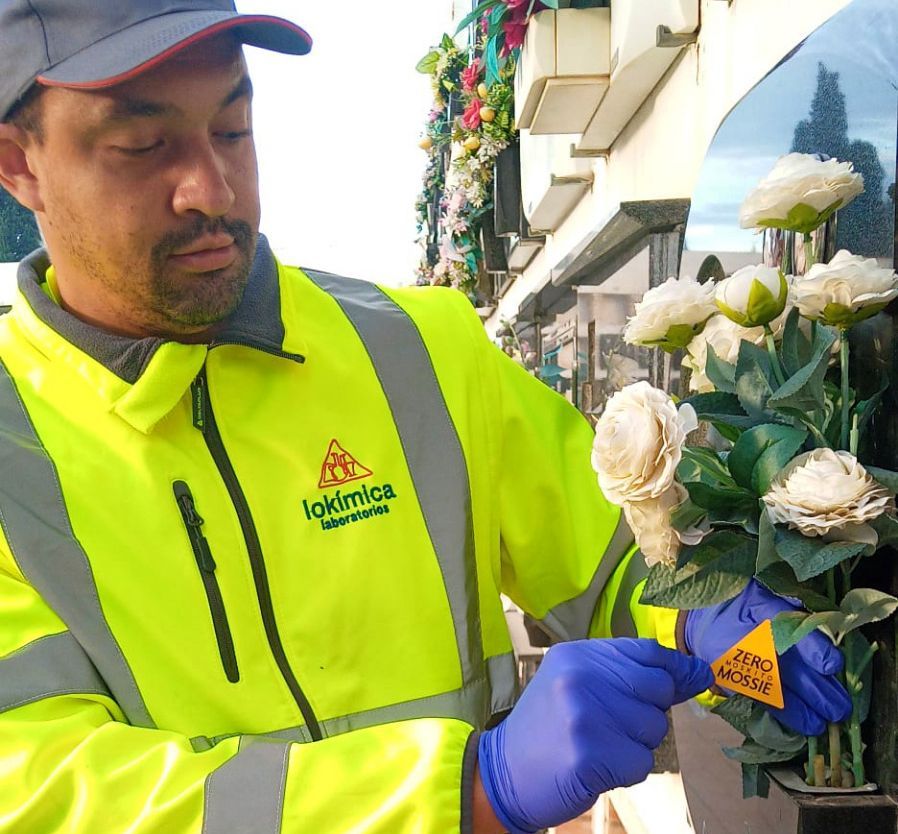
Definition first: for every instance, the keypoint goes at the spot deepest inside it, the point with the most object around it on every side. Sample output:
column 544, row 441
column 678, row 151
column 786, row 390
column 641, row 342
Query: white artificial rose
column 638, row 443
column 753, row 296
column 800, row 193
column 656, row 538
column 670, row 315
column 724, row 336
column 827, row 494
column 845, row 291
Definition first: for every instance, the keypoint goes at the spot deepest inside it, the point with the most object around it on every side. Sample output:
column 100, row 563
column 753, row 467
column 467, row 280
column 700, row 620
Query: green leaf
column 887, row 478
column 720, row 407
column 725, row 506
column 742, row 516
column 855, row 648
column 804, row 389
column 780, row 578
column 886, row 528
column 686, row 515
column 475, row 15
column 719, row 498
column 810, row 557
column 753, row 753
column 491, row 60
column 722, row 374
column 702, row 464
column 761, row 452
column 447, row 42
column 552, row 4
column 861, row 606
column 754, row 379
column 789, row 627
column 767, row 554
column 718, row 569
column 428, row 63
column 768, row 732
column 736, row 711
column 796, row 346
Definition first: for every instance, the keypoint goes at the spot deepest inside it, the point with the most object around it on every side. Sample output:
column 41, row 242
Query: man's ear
column 16, row 175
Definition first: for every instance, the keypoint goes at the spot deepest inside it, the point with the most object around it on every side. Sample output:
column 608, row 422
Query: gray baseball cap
column 91, row 44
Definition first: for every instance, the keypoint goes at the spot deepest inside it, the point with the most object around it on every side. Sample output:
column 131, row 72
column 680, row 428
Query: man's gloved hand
column 811, row 693
column 587, row 722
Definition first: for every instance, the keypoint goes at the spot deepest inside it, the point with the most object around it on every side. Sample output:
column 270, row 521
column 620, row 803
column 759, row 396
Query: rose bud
column 753, row 296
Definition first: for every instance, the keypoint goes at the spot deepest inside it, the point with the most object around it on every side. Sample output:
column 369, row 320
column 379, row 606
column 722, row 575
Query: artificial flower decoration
column 638, row 443
column 847, row 290
column 828, row 494
column 670, row 315
column 753, row 296
column 800, row 193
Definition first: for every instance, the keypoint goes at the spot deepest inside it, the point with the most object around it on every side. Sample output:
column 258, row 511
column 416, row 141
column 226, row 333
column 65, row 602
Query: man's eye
column 234, row 135
column 142, row 150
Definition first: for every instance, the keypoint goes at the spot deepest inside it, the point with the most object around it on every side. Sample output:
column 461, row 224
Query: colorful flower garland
column 462, row 151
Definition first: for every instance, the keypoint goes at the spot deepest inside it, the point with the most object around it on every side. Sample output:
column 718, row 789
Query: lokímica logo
column 342, row 507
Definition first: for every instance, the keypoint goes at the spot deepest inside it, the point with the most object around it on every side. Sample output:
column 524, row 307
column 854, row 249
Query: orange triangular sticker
column 340, row 467
column 751, row 667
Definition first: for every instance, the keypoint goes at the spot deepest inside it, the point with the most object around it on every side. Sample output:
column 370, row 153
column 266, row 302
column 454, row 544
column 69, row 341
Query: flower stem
column 774, row 359
column 820, row 771
column 812, row 755
column 809, row 258
column 846, row 405
column 857, row 749
column 835, row 755
column 853, row 679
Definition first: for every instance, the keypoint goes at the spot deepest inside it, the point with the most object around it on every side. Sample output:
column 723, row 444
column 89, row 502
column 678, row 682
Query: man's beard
column 207, row 298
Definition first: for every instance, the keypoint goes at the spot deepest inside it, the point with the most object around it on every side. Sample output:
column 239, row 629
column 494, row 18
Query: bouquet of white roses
column 779, row 495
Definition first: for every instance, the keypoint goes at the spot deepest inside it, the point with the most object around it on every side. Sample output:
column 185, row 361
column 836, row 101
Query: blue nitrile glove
column 587, row 722
column 811, row 693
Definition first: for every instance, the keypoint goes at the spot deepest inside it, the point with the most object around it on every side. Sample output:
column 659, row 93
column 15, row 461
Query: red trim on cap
column 163, row 56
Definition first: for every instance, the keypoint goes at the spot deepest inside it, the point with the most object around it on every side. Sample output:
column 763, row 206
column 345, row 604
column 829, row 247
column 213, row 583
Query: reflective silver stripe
column 246, row 794
column 622, row 624
column 39, row 532
column 52, row 665
column 431, row 445
column 466, row 704
column 570, row 620
column 503, row 674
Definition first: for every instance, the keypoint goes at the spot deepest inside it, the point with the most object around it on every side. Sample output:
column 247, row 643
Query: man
column 256, row 520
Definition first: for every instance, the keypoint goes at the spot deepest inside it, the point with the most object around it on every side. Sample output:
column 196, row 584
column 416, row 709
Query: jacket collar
column 143, row 379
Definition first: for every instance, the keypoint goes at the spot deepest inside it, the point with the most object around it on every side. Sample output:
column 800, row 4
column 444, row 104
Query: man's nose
column 202, row 184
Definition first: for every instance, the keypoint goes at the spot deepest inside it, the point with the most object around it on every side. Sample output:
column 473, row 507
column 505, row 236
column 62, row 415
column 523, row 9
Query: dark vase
column 493, row 248
column 507, row 191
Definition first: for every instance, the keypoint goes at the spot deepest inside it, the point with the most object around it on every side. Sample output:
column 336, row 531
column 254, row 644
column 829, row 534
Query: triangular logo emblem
column 751, row 667
column 340, row 467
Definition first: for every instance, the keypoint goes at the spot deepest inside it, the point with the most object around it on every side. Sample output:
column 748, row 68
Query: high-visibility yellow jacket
column 254, row 585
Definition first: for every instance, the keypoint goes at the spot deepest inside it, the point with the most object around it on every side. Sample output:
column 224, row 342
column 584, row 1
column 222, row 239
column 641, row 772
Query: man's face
column 150, row 193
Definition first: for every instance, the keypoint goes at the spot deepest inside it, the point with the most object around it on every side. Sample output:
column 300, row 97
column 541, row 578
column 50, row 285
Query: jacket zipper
column 203, row 555
column 204, row 420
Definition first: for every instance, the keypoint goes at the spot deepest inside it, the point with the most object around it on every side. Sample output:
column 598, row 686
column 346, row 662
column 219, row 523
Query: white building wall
column 660, row 152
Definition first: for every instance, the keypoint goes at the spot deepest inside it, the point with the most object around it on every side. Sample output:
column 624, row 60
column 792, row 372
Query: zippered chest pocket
column 193, row 524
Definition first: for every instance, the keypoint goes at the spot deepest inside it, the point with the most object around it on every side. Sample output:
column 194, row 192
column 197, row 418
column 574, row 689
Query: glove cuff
column 490, row 761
